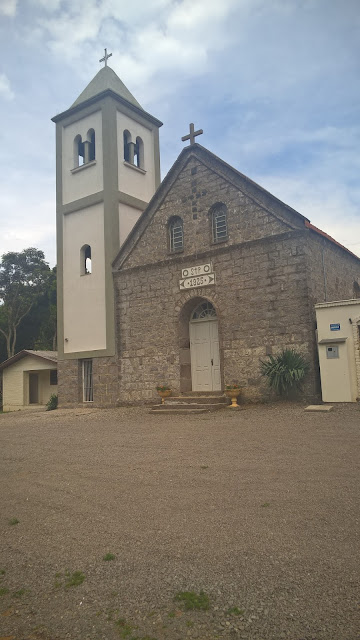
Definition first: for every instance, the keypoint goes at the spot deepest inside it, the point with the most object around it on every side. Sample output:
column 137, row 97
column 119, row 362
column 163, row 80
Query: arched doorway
column 204, row 348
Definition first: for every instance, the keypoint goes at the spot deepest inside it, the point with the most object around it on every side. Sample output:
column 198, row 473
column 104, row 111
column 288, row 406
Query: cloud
column 8, row 8
column 5, row 90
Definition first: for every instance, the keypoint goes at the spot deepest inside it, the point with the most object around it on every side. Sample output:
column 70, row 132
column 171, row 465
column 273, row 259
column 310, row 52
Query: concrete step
column 189, row 406
column 198, row 399
column 177, row 411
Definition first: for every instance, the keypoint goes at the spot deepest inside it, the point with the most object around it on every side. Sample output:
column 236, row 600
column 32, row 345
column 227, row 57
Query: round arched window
column 204, row 311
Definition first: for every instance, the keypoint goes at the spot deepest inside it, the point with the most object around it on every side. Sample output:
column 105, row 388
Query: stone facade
column 270, row 271
column 105, row 381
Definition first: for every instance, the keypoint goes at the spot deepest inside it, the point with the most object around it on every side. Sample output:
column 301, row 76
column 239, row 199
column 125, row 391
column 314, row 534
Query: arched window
column 218, row 217
column 128, row 147
column 79, row 152
column 139, row 153
column 91, row 145
column 204, row 311
column 356, row 289
column 176, row 234
column 85, row 260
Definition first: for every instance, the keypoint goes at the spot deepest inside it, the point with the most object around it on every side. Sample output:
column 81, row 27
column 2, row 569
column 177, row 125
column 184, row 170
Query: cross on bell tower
column 191, row 136
column 106, row 57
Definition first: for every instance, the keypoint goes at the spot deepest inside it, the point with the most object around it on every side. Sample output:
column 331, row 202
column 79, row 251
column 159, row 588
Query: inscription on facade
column 199, row 276
column 200, row 270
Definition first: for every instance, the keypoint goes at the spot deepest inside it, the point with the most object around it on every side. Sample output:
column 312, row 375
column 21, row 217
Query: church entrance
column 204, row 349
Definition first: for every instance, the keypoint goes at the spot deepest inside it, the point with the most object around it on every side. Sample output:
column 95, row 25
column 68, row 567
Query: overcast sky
column 273, row 83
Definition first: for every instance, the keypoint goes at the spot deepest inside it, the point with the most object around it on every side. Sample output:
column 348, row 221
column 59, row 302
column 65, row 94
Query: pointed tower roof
column 106, row 79
column 106, row 83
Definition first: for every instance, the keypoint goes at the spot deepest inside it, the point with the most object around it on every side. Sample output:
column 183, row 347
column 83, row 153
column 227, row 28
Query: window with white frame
column 176, row 234
column 87, row 380
column 218, row 216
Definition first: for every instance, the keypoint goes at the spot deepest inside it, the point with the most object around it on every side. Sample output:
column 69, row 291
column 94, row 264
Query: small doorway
column 204, row 349
column 33, row 388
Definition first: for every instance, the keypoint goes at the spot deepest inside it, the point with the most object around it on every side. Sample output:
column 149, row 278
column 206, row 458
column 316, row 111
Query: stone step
column 189, row 406
column 198, row 399
column 176, row 411
column 202, row 394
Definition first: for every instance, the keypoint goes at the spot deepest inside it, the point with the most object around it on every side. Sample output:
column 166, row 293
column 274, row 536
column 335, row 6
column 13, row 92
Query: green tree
column 24, row 278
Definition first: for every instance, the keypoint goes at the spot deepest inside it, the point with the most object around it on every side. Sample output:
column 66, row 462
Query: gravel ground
column 258, row 508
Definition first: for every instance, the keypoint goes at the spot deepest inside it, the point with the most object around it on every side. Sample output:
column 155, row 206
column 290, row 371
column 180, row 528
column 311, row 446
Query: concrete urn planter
column 164, row 394
column 233, row 394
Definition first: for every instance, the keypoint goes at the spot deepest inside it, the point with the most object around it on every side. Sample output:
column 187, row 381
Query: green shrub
column 285, row 372
column 52, row 403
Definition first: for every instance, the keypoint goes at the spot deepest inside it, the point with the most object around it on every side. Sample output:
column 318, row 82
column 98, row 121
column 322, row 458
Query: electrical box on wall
column 332, row 352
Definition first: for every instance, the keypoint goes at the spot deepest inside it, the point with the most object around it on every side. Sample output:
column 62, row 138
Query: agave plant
column 286, row 371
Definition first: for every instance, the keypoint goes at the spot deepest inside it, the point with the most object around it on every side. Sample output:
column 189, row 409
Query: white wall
column 89, row 179
column 128, row 216
column 84, row 295
column 338, row 375
column 16, row 382
column 132, row 181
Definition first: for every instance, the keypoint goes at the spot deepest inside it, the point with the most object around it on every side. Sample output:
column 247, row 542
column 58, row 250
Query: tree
column 24, row 277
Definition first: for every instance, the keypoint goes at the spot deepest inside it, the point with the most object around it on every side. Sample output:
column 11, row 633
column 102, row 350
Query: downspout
column 324, row 273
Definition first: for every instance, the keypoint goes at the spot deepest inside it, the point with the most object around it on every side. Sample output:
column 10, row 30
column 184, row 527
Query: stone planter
column 233, row 394
column 164, row 394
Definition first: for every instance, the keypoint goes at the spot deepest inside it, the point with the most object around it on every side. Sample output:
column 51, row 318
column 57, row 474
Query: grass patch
column 74, row 579
column 171, row 614
column 108, row 556
column 13, row 521
column 19, row 594
column 204, row 466
column 2, row 572
column 192, row 600
column 266, row 504
column 3, row 591
column 124, row 628
column 235, row 611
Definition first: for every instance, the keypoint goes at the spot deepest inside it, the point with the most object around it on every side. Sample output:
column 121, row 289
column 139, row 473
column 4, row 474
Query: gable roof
column 44, row 355
column 326, row 235
column 248, row 187
column 292, row 218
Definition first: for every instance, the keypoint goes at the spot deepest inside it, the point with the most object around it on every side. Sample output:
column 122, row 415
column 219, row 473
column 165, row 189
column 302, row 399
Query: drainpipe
column 324, row 273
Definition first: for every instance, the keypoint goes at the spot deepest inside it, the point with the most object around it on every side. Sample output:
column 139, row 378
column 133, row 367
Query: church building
column 188, row 282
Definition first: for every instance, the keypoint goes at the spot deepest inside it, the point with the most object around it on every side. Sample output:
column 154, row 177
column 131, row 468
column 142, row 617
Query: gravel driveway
column 258, row 509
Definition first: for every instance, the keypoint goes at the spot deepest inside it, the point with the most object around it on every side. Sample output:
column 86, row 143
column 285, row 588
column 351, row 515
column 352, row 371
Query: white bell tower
column 107, row 170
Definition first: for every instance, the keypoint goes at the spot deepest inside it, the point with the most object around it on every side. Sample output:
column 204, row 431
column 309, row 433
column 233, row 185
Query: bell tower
column 107, row 170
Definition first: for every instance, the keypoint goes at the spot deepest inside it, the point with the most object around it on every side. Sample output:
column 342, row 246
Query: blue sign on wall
column 335, row 327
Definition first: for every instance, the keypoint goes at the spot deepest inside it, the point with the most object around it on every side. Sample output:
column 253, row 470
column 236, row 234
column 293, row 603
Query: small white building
column 338, row 328
column 29, row 379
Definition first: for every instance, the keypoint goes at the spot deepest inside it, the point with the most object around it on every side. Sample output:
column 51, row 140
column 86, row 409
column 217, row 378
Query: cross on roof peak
column 106, row 57
column 191, row 136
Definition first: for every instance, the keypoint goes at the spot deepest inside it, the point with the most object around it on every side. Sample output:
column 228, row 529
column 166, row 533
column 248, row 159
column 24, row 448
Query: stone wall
column 261, row 301
column 195, row 191
column 105, row 381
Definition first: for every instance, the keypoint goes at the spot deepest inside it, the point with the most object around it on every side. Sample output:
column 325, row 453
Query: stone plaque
column 200, row 270
column 197, row 281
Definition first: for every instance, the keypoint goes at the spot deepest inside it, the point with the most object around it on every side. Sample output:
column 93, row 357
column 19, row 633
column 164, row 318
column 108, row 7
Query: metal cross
column 105, row 58
column 191, row 136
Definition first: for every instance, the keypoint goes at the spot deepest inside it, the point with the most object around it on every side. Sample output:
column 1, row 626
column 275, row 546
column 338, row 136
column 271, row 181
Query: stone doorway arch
column 196, row 311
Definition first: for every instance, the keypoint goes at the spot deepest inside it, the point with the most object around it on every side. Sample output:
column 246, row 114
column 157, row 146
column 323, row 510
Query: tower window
column 176, row 234
column 79, row 152
column 91, row 145
column 85, row 260
column 128, row 147
column 218, row 216
column 139, row 153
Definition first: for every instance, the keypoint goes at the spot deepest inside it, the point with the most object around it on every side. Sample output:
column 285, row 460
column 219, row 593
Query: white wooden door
column 205, row 358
